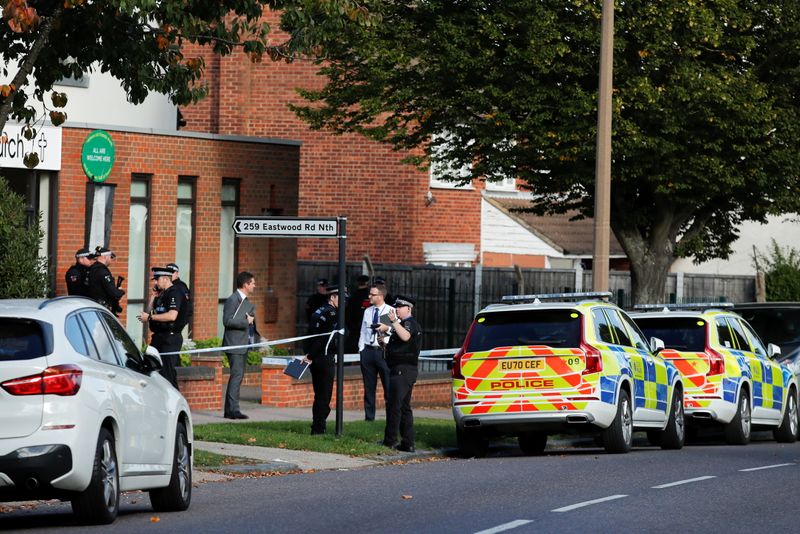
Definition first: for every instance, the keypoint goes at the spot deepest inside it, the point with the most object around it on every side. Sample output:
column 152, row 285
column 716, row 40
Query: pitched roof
column 575, row 238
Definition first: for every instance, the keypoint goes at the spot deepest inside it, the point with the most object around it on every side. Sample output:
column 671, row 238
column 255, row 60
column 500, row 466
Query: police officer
column 187, row 308
column 402, row 356
column 162, row 320
column 318, row 299
column 102, row 287
column 321, row 352
column 77, row 275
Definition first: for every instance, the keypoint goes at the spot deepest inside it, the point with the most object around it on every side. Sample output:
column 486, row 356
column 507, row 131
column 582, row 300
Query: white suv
column 84, row 414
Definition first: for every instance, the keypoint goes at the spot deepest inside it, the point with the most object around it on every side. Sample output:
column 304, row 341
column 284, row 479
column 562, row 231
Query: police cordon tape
column 443, row 354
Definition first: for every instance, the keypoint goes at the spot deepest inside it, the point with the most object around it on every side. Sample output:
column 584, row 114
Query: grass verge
column 359, row 438
column 210, row 460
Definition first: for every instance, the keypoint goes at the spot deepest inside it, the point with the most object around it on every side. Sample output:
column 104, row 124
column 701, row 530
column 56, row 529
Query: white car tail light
column 63, row 380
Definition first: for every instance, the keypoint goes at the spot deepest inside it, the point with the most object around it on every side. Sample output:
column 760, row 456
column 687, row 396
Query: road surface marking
column 679, row 482
column 588, row 503
column 505, row 526
column 764, row 467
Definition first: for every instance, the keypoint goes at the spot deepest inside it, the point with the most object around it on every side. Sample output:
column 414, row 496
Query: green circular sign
column 97, row 156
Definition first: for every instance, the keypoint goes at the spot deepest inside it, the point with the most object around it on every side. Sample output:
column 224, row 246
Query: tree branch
column 26, row 68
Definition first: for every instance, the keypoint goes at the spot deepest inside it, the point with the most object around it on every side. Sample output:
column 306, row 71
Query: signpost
column 296, row 227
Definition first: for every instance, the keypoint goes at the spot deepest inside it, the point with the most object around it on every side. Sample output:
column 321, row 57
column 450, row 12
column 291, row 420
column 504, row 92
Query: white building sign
column 46, row 144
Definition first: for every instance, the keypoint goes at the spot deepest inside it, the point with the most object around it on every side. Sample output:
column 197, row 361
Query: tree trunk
column 650, row 263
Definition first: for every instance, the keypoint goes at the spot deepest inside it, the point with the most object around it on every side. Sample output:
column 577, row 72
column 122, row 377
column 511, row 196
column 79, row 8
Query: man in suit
column 238, row 318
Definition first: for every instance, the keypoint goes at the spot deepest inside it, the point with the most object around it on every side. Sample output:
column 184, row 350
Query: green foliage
column 705, row 115
column 144, row 44
column 781, row 272
column 23, row 274
column 191, row 344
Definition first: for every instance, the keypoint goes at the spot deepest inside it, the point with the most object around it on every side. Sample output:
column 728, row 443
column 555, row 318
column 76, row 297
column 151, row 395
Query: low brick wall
column 204, row 382
column 201, row 384
column 282, row 391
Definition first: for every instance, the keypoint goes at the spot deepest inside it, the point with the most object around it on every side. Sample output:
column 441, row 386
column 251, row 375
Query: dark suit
column 234, row 319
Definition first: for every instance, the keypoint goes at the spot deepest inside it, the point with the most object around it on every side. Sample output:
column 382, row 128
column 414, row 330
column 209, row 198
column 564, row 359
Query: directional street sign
column 285, row 227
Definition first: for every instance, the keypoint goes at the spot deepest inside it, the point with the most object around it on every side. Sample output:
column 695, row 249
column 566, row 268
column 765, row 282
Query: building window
column 138, row 247
column 504, row 185
column 440, row 170
column 184, row 232
column 227, row 245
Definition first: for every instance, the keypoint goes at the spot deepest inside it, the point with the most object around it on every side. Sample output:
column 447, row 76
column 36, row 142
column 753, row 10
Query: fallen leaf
column 281, row 445
column 251, row 440
column 155, row 519
column 407, row 497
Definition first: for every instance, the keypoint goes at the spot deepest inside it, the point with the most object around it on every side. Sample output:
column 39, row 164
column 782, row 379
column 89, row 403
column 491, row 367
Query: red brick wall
column 281, row 391
column 383, row 199
column 261, row 167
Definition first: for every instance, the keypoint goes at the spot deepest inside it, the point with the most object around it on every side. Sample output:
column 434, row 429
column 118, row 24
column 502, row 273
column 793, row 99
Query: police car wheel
column 673, row 435
column 472, row 444
column 618, row 437
column 737, row 432
column 532, row 443
column 787, row 432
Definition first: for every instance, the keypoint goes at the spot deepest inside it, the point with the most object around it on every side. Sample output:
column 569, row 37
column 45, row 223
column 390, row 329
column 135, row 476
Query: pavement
column 277, row 460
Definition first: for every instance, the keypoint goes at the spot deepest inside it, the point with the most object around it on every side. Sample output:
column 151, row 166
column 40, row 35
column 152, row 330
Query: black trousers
column 322, row 374
column 399, row 417
column 373, row 365
column 167, row 342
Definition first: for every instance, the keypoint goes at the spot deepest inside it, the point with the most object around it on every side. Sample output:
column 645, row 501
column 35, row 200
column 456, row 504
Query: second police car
column 731, row 378
column 545, row 364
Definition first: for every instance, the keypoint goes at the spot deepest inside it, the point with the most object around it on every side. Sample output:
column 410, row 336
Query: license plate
column 521, row 365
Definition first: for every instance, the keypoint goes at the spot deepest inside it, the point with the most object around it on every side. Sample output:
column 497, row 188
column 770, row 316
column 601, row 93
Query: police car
column 544, row 364
column 730, row 377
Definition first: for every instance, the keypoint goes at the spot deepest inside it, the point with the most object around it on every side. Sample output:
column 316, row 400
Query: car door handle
column 111, row 374
column 143, row 383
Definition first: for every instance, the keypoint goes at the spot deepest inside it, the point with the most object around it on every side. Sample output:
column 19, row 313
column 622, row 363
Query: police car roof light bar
column 684, row 306
column 556, row 296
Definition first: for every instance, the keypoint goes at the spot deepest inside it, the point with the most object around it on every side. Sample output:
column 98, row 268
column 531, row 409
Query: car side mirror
column 773, row 350
column 656, row 345
column 153, row 358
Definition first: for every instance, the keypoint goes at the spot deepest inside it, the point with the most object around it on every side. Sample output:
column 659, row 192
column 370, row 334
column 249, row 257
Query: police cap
column 401, row 300
column 158, row 272
column 103, row 251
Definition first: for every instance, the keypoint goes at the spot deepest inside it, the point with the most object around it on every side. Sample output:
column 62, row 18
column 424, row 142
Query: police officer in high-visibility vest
column 102, row 287
column 77, row 276
column 162, row 321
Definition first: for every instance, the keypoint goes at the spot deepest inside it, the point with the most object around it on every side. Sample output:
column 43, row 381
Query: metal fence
column 448, row 297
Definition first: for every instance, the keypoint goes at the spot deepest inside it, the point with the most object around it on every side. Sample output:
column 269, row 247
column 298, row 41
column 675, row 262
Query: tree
column 705, row 114
column 23, row 274
column 143, row 44
column 781, row 272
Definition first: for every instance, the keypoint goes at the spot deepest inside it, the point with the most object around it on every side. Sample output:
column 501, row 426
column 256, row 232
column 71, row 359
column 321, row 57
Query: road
column 706, row 487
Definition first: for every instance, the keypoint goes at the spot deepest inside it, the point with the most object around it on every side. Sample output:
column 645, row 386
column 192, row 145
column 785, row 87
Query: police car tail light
column 63, row 380
column 594, row 360
column 456, row 371
column 716, row 363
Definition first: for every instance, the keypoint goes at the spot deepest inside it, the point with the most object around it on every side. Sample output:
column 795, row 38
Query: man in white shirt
column 372, row 346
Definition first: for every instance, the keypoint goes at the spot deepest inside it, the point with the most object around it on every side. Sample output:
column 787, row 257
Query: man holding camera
column 372, row 348
column 101, row 282
column 162, row 320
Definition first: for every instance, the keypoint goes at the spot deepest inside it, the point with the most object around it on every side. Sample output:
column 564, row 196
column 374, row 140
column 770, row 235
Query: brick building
column 174, row 196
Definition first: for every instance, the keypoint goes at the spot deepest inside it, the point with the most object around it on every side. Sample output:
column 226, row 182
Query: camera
column 375, row 326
